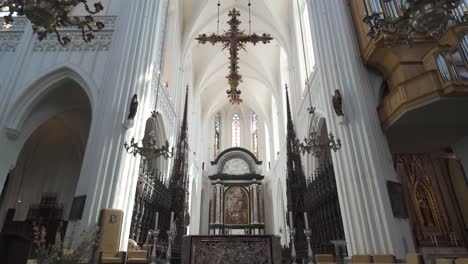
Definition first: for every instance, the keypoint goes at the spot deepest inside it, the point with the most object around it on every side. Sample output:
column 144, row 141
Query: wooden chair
column 414, row 258
column 14, row 248
column 445, row 261
column 324, row 258
column 117, row 258
column 461, row 261
column 109, row 243
column 361, row 259
column 384, row 259
column 137, row 257
column 135, row 254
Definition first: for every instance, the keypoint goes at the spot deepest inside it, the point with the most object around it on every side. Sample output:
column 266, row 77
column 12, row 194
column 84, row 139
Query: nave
column 233, row 131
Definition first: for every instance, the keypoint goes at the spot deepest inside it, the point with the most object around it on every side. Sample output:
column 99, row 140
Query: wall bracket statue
column 132, row 113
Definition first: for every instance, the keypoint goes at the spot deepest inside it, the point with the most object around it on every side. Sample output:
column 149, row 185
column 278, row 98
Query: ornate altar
column 231, row 249
column 236, row 206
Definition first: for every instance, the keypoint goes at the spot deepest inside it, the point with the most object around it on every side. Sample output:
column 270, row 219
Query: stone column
column 364, row 164
column 109, row 175
column 213, row 207
column 260, row 203
column 251, row 204
column 255, row 204
column 219, row 204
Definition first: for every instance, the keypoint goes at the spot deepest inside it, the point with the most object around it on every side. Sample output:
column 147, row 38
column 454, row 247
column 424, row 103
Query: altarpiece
column 236, row 206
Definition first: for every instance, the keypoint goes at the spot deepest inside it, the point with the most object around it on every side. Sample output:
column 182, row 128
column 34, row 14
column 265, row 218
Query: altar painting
column 236, row 206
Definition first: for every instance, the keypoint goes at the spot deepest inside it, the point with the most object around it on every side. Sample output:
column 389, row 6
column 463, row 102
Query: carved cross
column 234, row 40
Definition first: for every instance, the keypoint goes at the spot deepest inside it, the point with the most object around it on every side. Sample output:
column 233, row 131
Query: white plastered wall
column 124, row 64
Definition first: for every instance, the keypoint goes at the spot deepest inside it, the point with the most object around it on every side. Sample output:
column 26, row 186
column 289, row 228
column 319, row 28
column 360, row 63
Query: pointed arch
column 35, row 91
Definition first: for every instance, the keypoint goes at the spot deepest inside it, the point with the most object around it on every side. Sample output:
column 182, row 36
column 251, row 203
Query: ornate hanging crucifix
column 234, row 40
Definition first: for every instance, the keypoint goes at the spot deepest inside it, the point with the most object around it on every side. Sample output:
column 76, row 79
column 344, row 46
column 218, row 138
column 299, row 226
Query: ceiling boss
column 234, row 40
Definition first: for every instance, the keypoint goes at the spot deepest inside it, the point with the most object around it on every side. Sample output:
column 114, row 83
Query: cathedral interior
column 233, row 131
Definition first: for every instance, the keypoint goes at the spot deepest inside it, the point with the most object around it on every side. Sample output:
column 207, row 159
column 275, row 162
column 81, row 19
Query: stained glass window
column 305, row 48
column 217, row 135
column 236, row 130
column 254, row 127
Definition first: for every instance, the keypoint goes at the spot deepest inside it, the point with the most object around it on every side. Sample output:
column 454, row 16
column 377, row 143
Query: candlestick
column 306, row 219
column 310, row 254
column 292, row 234
column 154, row 256
column 291, row 225
column 172, row 220
column 156, row 221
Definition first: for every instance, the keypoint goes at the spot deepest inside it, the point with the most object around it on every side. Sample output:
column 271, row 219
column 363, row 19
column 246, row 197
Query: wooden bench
column 324, row 258
column 361, row 259
column 384, row 259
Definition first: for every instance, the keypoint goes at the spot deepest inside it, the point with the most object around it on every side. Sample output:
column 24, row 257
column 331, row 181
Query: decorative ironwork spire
column 295, row 181
column 179, row 169
column 178, row 183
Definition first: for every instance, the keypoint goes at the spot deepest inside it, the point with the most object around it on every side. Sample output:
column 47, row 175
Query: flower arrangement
column 56, row 254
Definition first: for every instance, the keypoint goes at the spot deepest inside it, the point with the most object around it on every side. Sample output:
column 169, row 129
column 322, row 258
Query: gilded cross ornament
column 234, row 40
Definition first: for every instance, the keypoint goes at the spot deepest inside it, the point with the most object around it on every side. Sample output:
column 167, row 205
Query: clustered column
column 364, row 163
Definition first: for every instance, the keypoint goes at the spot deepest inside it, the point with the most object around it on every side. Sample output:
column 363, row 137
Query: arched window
column 304, row 38
column 236, row 130
column 217, row 138
column 254, row 127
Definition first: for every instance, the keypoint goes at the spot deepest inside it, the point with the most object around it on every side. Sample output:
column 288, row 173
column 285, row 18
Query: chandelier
column 149, row 149
column 401, row 19
column 47, row 16
column 315, row 143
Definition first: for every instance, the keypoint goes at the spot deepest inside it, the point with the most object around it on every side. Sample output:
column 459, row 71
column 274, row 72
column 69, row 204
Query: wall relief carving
column 231, row 252
column 236, row 166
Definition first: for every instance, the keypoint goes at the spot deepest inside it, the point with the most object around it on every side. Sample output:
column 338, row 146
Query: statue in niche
column 236, row 207
column 338, row 103
column 236, row 167
column 133, row 107
column 425, row 210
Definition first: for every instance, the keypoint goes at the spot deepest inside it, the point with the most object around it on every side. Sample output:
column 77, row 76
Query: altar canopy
column 236, row 206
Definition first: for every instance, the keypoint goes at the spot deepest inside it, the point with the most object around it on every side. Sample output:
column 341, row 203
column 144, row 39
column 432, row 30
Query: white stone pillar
column 364, row 164
column 109, row 175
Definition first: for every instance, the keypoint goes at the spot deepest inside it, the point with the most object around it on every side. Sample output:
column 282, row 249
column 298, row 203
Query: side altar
column 237, row 204
column 231, row 249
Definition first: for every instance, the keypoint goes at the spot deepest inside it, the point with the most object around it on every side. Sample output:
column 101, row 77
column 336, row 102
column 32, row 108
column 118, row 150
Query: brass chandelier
column 149, row 149
column 47, row 16
column 315, row 143
column 402, row 19
column 316, row 146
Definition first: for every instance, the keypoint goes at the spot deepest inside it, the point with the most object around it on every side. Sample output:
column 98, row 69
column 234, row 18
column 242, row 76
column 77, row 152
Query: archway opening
column 40, row 190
